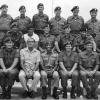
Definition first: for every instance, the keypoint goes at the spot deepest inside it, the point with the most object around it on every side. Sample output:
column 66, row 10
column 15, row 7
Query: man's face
column 75, row 12
column 89, row 47
column 30, row 43
column 46, row 30
column 9, row 44
column 93, row 14
column 83, row 34
column 58, row 12
column 67, row 30
column 22, row 11
column 4, row 10
column 68, row 48
column 30, row 31
column 41, row 8
column 49, row 47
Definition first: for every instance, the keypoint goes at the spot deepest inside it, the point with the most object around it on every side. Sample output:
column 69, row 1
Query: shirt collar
column 57, row 18
column 95, row 20
column 75, row 17
column 34, row 50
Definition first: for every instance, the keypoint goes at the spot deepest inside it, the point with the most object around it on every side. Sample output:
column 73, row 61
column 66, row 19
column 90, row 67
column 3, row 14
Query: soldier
column 46, row 38
column 23, row 20
column 93, row 25
column 89, row 63
column 9, row 70
column 5, row 21
column 57, row 23
column 49, row 63
column 40, row 20
column 30, row 58
column 75, row 21
column 68, row 61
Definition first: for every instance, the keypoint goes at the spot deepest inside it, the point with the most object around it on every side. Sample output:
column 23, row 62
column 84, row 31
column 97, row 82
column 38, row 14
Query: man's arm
column 74, row 67
column 62, row 66
column 2, row 64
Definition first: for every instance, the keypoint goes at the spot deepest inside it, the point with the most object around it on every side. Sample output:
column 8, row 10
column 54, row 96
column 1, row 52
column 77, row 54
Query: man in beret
column 23, row 20
column 57, row 23
column 68, row 61
column 76, row 22
column 93, row 26
column 30, row 59
column 5, row 20
column 89, row 64
column 40, row 20
column 9, row 58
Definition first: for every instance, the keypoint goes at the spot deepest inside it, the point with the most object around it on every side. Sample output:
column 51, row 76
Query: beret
column 67, row 43
column 6, row 39
column 57, row 8
column 21, row 7
column 75, row 7
column 93, row 10
column 40, row 4
column 4, row 6
column 88, row 42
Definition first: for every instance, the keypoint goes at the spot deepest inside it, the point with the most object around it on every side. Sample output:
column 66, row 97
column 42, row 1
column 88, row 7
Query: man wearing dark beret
column 68, row 61
column 89, row 64
column 40, row 20
column 9, row 70
column 23, row 21
column 5, row 21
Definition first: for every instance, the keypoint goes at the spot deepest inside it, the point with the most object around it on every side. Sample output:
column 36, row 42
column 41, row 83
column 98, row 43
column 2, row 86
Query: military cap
column 57, row 8
column 66, row 26
column 30, row 39
column 7, row 39
column 4, row 6
column 83, row 29
column 40, row 4
column 88, row 42
column 47, row 25
column 93, row 10
column 67, row 43
column 14, row 24
column 22, row 7
column 30, row 27
column 75, row 7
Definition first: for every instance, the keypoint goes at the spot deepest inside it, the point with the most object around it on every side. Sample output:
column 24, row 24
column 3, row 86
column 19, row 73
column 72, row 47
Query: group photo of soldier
column 49, row 52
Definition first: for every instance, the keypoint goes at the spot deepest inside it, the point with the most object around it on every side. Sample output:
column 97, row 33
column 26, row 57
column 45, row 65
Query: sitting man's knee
column 21, row 74
column 55, row 74
column 83, row 73
column 37, row 74
column 75, row 73
column 43, row 74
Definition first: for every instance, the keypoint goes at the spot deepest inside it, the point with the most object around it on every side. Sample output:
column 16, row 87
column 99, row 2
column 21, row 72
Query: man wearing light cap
column 40, row 20
column 5, row 20
column 23, row 20
column 93, row 26
column 57, row 23
column 30, row 58
column 76, row 22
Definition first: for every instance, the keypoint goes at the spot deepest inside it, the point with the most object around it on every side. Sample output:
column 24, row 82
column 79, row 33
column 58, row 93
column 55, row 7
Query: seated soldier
column 29, row 34
column 89, row 63
column 68, row 61
column 30, row 58
column 49, row 63
column 8, row 60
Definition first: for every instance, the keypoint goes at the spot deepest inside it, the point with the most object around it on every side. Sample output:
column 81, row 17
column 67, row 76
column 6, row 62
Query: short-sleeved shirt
column 88, row 61
column 75, row 23
column 49, row 62
column 68, row 61
column 46, row 39
column 5, row 21
column 57, row 26
column 30, row 58
column 34, row 36
column 23, row 23
column 39, row 21
column 9, row 56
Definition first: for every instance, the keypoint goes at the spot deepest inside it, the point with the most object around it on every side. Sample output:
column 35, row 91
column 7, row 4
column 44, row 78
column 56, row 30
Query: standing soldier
column 5, row 21
column 49, row 63
column 40, row 20
column 93, row 26
column 89, row 64
column 9, row 58
column 68, row 61
column 22, row 20
column 57, row 23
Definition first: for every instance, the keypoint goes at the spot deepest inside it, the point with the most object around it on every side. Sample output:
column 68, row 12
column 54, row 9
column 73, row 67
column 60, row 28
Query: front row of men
column 39, row 66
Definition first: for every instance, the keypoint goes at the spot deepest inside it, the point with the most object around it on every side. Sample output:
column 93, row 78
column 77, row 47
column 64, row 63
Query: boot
column 93, row 94
column 64, row 92
column 44, row 93
column 8, row 94
column 55, row 94
column 3, row 95
column 88, row 95
column 73, row 92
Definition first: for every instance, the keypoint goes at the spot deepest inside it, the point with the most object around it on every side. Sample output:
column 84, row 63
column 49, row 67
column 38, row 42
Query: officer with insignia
column 40, row 20
column 23, row 21
column 89, row 64
column 68, row 61
column 5, row 20
column 57, row 23
column 9, row 58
